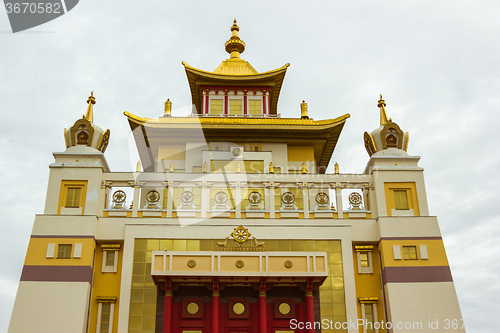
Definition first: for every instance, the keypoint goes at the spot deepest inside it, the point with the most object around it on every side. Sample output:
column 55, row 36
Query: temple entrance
column 236, row 290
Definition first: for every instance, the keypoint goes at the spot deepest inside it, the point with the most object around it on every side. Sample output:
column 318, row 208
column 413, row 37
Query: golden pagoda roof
column 272, row 80
column 149, row 133
column 235, row 72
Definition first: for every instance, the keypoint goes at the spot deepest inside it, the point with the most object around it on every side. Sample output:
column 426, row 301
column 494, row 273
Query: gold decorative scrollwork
column 254, row 197
column 322, row 198
column 119, row 196
column 153, row 196
column 288, row 198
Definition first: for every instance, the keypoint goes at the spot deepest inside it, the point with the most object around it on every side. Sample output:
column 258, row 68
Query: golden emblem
column 220, row 198
column 288, row 198
column 119, row 196
column 254, row 197
column 322, row 198
column 153, row 196
column 187, row 197
column 241, row 234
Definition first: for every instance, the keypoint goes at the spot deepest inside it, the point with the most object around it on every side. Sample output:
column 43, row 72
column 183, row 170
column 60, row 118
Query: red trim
column 226, row 102
column 235, row 88
column 263, row 306
column 215, row 305
column 245, row 102
column 167, row 313
column 310, row 305
column 57, row 273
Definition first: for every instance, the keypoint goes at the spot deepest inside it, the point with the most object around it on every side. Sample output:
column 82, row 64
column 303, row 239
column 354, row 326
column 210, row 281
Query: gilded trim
column 104, row 141
column 369, row 144
column 368, row 300
column 66, row 138
column 406, row 141
column 110, row 246
column 77, row 124
column 234, row 120
column 106, row 299
column 363, row 248
column 394, row 126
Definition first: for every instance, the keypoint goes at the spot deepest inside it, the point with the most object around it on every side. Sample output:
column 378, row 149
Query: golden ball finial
column 234, row 46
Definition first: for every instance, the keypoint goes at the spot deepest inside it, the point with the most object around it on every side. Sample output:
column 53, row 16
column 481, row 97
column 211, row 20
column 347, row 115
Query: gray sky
column 435, row 62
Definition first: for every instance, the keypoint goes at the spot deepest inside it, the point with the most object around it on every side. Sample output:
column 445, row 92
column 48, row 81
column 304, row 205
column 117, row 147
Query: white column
column 101, row 201
column 338, row 197
column 305, row 198
column 237, row 198
column 137, row 203
column 170, row 197
column 205, row 197
column 267, row 204
column 272, row 210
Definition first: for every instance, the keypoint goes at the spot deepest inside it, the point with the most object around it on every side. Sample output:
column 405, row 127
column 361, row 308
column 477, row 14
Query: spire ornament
column 90, row 109
column 235, row 46
column 383, row 115
column 168, row 108
column 303, row 110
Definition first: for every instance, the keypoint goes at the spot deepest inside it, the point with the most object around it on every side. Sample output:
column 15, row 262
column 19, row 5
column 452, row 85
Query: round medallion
column 284, row 308
column 355, row 198
column 322, row 198
column 254, row 197
column 221, row 198
column 241, row 234
column 288, row 198
column 119, row 196
column 239, row 308
column 192, row 308
column 239, row 263
column 153, row 196
column 288, row 264
column 236, row 152
column 187, row 197
column 191, row 263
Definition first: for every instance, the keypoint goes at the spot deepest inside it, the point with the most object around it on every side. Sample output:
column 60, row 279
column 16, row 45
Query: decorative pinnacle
column 383, row 115
column 234, row 46
column 90, row 110
column 168, row 108
column 303, row 110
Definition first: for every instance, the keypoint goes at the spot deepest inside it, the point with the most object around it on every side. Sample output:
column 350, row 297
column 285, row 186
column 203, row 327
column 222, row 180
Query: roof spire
column 168, row 108
column 90, row 110
column 303, row 110
column 234, row 46
column 383, row 115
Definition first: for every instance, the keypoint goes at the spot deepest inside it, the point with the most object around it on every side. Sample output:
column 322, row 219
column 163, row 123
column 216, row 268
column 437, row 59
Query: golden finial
column 171, row 166
column 168, row 108
column 131, row 204
column 234, row 46
column 204, row 167
column 383, row 115
column 304, row 170
column 333, row 207
column 138, row 166
column 336, row 168
column 271, row 167
column 90, row 110
column 303, row 110
column 238, row 170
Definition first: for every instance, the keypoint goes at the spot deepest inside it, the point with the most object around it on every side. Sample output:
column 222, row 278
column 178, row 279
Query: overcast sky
column 435, row 62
